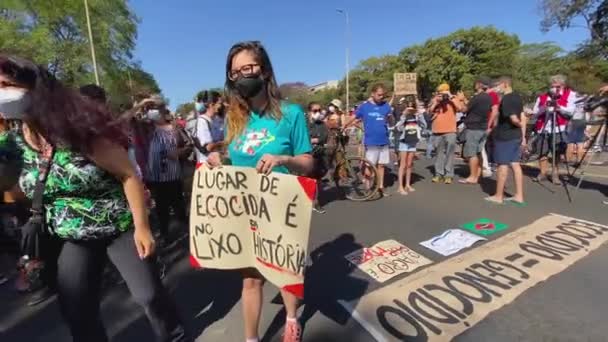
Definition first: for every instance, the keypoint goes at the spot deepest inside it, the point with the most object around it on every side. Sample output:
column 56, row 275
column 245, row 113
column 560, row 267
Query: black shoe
column 41, row 296
column 318, row 209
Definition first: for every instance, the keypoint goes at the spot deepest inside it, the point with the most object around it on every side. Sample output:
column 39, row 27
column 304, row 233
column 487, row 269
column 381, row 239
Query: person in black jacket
column 319, row 134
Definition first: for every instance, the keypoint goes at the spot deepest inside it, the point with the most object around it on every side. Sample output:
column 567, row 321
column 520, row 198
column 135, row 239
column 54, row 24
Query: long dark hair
column 61, row 115
column 238, row 114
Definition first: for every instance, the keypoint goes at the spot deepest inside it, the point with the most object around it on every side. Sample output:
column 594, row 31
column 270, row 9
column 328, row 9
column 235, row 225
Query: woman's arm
column 115, row 159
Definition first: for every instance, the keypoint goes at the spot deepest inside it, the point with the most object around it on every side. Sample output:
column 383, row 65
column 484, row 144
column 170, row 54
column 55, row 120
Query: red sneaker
column 293, row 332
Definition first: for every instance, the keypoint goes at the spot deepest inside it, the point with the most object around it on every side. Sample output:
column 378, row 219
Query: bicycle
column 355, row 177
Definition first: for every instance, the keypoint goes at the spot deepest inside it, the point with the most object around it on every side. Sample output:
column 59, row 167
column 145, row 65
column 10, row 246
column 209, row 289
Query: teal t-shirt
column 265, row 135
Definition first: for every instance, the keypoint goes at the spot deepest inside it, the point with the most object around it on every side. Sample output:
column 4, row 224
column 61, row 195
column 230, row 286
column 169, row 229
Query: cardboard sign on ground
column 484, row 227
column 405, row 83
column 445, row 299
column 242, row 219
column 386, row 260
column 451, row 241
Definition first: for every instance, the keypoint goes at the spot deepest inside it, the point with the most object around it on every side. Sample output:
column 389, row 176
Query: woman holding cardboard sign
column 270, row 135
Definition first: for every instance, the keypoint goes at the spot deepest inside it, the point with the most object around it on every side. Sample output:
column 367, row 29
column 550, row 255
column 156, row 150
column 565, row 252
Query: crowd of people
column 81, row 183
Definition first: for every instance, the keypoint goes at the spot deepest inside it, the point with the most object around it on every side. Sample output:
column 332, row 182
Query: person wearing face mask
column 204, row 134
column 270, row 135
column 561, row 100
column 319, row 134
column 334, row 114
column 86, row 195
column 163, row 171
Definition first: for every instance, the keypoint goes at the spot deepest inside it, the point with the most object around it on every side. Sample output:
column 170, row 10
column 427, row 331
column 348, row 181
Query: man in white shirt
column 561, row 100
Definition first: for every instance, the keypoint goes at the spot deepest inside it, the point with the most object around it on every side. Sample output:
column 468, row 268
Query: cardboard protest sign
column 241, row 219
column 443, row 300
column 405, row 83
column 451, row 241
column 485, row 227
column 386, row 260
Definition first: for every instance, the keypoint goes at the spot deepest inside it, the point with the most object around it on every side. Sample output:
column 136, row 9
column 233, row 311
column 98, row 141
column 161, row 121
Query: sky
column 184, row 43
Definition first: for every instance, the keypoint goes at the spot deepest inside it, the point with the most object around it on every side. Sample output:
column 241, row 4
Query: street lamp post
column 86, row 10
column 347, row 39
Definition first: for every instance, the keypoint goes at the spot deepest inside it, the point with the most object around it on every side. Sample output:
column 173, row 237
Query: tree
column 566, row 13
column 54, row 34
column 533, row 65
column 185, row 108
column 295, row 92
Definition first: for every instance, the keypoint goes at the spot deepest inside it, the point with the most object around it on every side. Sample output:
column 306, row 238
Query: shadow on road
column 327, row 281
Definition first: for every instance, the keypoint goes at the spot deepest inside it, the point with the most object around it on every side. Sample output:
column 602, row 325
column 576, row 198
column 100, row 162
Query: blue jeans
column 429, row 146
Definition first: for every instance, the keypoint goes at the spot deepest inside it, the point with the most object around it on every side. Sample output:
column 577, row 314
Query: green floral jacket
column 82, row 201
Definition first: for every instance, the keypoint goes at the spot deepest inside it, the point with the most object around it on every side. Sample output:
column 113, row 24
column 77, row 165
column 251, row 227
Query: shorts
column 576, row 132
column 404, row 147
column 377, row 155
column 475, row 141
column 543, row 145
column 507, row 151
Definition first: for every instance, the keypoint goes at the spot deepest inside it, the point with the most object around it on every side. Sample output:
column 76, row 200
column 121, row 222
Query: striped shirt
column 160, row 167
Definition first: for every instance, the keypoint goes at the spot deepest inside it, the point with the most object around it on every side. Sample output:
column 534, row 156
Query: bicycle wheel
column 356, row 178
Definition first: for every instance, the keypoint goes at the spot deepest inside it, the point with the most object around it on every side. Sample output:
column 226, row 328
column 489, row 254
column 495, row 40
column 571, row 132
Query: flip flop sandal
column 464, row 181
column 493, row 201
column 515, row 203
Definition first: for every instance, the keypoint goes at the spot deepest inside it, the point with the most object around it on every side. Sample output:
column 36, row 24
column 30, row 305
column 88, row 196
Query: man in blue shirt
column 375, row 115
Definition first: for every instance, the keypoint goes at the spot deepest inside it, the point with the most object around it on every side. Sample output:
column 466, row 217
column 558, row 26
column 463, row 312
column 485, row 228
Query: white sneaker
column 486, row 174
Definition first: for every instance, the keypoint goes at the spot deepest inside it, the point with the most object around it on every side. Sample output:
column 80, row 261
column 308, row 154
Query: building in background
column 323, row 86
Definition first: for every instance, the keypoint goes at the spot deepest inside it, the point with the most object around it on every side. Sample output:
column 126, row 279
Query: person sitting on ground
column 509, row 139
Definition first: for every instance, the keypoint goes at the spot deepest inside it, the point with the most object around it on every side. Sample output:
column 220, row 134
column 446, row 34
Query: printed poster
column 386, row 260
column 241, row 219
column 451, row 241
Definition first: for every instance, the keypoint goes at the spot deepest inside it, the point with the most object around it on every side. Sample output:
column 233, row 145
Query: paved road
column 570, row 306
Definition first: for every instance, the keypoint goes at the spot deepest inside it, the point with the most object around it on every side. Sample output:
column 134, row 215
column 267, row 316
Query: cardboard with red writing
column 242, row 219
column 386, row 260
column 405, row 83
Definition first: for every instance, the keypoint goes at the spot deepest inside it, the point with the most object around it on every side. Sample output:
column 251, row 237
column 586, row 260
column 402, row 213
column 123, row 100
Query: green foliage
column 565, row 14
column 54, row 34
column 185, row 108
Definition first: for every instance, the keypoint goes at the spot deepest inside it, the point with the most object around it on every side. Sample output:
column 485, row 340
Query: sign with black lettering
column 405, row 83
column 241, row 219
column 443, row 300
column 386, row 260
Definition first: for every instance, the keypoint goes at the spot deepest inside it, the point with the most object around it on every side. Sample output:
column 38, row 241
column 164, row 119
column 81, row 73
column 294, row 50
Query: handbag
column 33, row 231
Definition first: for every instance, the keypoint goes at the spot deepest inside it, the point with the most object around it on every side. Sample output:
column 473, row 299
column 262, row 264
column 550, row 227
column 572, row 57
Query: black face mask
column 249, row 87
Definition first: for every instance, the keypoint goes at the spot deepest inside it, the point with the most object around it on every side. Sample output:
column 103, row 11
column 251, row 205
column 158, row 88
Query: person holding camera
column 561, row 101
column 444, row 107
column 478, row 127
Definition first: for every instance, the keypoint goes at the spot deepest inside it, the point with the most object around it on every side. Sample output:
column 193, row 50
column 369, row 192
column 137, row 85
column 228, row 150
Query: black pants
column 168, row 195
column 80, row 269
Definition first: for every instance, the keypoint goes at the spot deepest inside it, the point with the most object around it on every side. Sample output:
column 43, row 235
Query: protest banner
column 405, row 83
column 445, row 299
column 240, row 219
column 386, row 260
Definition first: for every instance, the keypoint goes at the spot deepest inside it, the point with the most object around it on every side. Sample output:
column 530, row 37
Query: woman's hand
column 214, row 159
column 144, row 242
column 269, row 162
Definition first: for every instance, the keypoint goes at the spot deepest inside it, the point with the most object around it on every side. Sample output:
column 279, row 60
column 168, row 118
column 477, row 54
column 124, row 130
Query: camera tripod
column 556, row 131
column 602, row 131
